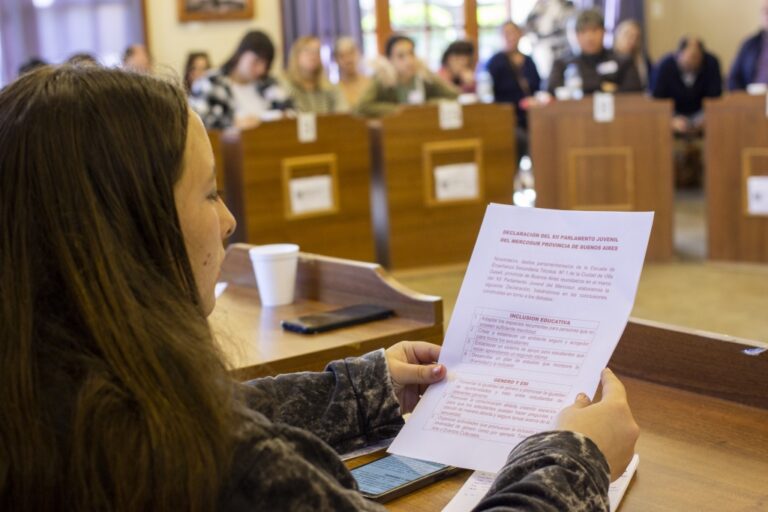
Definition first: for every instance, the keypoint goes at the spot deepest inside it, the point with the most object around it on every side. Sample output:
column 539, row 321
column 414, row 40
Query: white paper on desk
column 544, row 301
column 479, row 482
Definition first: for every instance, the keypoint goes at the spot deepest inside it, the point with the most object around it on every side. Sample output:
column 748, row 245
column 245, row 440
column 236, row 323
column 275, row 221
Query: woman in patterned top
column 114, row 396
column 241, row 92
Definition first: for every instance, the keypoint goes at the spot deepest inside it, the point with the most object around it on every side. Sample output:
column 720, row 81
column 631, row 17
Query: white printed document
column 545, row 298
column 479, row 482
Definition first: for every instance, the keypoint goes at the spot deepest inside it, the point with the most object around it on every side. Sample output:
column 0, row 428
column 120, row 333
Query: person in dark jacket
column 115, row 395
column 597, row 68
column 514, row 75
column 751, row 64
column 688, row 76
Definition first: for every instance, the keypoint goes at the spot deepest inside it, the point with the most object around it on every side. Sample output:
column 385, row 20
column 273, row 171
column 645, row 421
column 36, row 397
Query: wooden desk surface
column 255, row 344
column 697, row 452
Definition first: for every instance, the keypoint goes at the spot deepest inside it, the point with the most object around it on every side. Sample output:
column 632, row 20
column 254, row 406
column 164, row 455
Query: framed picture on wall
column 212, row 10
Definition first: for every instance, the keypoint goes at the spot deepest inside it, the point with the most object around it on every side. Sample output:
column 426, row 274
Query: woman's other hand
column 608, row 422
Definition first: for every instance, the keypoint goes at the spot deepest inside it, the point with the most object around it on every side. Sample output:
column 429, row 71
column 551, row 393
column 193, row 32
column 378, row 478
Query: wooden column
column 383, row 25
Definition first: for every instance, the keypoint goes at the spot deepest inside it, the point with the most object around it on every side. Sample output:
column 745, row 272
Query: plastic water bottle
column 484, row 87
column 573, row 81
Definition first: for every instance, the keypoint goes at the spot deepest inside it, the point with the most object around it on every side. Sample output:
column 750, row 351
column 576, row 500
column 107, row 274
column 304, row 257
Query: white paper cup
column 275, row 268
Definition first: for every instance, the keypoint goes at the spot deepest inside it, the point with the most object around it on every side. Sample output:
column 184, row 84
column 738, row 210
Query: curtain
column 326, row 19
column 55, row 29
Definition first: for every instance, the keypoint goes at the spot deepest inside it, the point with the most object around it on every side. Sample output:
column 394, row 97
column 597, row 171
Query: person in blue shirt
column 751, row 63
column 514, row 74
column 688, row 76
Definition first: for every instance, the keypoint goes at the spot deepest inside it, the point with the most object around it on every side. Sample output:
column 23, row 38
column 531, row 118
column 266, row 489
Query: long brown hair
column 112, row 393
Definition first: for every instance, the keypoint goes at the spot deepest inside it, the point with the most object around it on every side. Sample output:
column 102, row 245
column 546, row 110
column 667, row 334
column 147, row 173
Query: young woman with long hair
column 113, row 395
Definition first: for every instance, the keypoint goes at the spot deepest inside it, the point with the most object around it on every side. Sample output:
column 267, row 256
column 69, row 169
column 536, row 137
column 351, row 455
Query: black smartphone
column 394, row 475
column 350, row 315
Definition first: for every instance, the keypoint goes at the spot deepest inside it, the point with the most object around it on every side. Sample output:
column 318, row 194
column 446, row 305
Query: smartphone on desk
column 394, row 475
column 344, row 317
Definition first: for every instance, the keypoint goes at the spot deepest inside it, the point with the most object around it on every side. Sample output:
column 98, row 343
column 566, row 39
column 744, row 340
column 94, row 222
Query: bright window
column 433, row 25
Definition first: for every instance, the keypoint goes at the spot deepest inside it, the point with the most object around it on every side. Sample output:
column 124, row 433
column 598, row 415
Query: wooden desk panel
column 736, row 146
column 259, row 162
column 697, row 451
column 256, row 345
column 412, row 229
column 623, row 165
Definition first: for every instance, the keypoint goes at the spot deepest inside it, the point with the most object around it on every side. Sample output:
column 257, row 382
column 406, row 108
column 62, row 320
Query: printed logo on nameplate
column 603, row 107
column 451, row 115
column 306, row 125
column 311, row 194
column 456, row 182
column 757, row 195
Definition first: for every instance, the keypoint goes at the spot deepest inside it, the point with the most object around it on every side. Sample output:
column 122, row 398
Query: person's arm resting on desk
column 355, row 401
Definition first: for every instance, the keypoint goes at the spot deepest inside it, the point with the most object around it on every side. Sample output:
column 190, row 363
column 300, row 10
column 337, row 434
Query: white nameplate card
column 456, row 182
column 306, row 126
column 451, row 115
column 479, row 483
column 545, row 298
column 311, row 194
column 603, row 107
column 757, row 195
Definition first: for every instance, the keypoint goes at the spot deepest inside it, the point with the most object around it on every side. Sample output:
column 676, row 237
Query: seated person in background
column 121, row 400
column 402, row 80
column 306, row 82
column 82, row 59
column 688, row 76
column 514, row 74
column 751, row 63
column 596, row 68
column 31, row 64
column 241, row 92
column 352, row 83
column 136, row 58
column 197, row 65
column 628, row 44
column 458, row 66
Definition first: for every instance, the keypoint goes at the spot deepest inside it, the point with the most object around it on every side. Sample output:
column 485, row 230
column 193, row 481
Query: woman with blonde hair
column 306, row 81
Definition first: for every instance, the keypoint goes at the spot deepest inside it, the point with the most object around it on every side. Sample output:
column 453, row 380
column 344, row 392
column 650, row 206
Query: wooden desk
column 624, row 165
column 702, row 405
column 413, row 227
column 736, row 147
column 264, row 162
column 256, row 345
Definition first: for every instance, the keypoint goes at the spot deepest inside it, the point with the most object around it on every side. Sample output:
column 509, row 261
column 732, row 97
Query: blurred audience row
column 243, row 91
